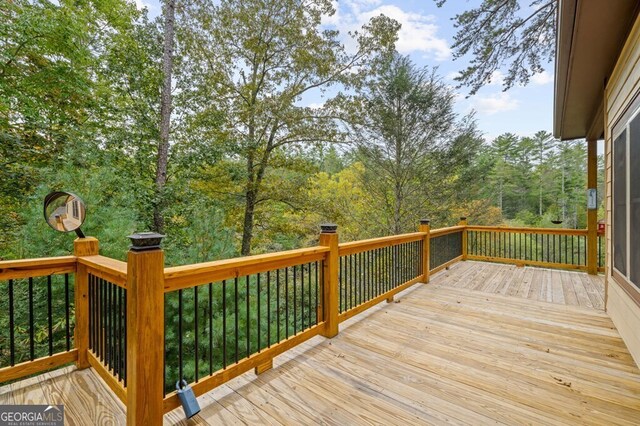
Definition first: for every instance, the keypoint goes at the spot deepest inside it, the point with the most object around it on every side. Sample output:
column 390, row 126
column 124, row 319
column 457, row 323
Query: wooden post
column 88, row 246
column 592, row 213
column 145, row 330
column 330, row 302
column 463, row 222
column 425, row 227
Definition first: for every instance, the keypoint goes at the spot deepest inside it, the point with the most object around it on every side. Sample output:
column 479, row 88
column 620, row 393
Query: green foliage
column 516, row 34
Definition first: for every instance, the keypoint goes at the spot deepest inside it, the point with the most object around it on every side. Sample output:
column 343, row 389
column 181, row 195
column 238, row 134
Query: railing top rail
column 374, row 243
column 112, row 270
column 180, row 277
column 444, row 231
column 26, row 268
column 553, row 231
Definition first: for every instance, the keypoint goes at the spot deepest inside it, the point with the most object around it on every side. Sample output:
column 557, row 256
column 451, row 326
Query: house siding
column 621, row 89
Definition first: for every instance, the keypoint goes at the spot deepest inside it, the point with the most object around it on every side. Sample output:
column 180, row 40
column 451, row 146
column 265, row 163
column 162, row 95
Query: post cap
column 463, row 218
column 328, row 228
column 424, row 221
column 141, row 241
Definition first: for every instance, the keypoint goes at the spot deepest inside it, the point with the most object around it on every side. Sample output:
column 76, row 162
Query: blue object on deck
column 187, row 399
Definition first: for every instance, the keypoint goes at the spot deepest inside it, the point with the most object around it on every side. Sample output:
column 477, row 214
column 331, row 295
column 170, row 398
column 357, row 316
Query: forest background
column 248, row 169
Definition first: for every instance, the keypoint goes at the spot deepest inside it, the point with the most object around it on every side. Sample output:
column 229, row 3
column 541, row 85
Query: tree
column 403, row 124
column 499, row 33
column 255, row 60
column 165, row 115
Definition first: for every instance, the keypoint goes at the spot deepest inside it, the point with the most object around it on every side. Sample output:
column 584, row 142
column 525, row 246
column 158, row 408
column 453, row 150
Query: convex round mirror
column 64, row 212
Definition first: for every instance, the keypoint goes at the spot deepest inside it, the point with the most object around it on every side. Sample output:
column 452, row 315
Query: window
column 626, row 195
column 76, row 209
column 620, row 203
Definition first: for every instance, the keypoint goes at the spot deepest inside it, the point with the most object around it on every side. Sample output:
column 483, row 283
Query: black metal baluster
column 258, row 311
column 599, row 252
column 248, row 325
column 106, row 321
column 50, row 315
column 579, row 251
column 224, row 323
column 31, row 327
column 180, row 365
column 67, row 308
column 109, row 324
column 341, row 283
column 378, row 277
column 210, row 315
column 268, row 309
column 124, row 364
column 358, row 264
column 366, row 275
column 12, row 342
column 196, row 333
column 310, row 305
column 120, row 345
column 316, row 293
column 236, row 315
column 114, row 319
column 278, row 301
column 286, row 298
column 103, row 319
column 301, row 297
column 295, row 301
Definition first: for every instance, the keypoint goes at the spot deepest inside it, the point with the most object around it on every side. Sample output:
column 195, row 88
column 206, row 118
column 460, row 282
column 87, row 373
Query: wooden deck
column 443, row 353
column 545, row 285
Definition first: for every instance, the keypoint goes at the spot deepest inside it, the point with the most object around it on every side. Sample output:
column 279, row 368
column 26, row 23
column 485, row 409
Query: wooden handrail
column 181, row 277
column 444, row 231
column 112, row 270
column 550, row 231
column 27, row 268
column 354, row 247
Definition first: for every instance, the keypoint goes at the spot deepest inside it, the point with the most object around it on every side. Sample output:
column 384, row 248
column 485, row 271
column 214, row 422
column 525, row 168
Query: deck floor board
column 480, row 344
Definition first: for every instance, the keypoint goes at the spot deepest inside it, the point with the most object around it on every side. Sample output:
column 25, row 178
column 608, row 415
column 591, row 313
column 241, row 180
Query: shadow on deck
column 480, row 344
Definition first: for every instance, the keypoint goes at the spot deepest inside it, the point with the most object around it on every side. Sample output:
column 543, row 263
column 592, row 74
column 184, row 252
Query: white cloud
column 542, row 78
column 451, row 76
column 497, row 78
column 495, row 103
column 418, row 32
column 141, row 4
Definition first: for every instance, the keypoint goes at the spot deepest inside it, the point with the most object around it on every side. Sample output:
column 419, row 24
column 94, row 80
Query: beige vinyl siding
column 621, row 89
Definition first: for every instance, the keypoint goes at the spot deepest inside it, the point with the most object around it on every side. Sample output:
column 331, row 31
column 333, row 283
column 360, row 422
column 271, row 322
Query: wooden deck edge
column 354, row 247
column 182, row 277
column 381, row 298
column 38, row 365
column 447, row 264
column 171, row 401
column 114, row 384
column 434, row 233
column 112, row 270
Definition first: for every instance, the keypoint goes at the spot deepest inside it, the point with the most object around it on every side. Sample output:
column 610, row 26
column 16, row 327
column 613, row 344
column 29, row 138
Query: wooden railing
column 36, row 315
column 554, row 248
column 227, row 317
column 244, row 312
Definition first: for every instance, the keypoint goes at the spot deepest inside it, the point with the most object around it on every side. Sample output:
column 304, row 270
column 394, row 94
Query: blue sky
column 426, row 35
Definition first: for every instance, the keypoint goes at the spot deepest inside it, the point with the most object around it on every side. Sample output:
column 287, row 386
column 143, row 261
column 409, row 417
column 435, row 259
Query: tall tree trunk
column 165, row 116
column 397, row 228
column 247, row 228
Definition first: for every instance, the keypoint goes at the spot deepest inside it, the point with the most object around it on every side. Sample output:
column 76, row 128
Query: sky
column 426, row 36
